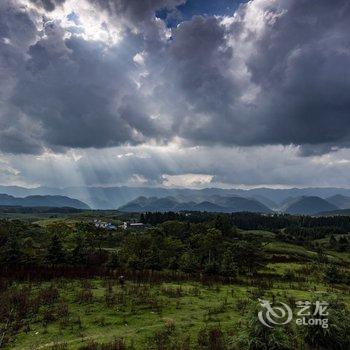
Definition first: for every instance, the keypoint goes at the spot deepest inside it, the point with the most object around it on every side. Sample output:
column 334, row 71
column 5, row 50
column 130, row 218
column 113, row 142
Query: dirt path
column 94, row 337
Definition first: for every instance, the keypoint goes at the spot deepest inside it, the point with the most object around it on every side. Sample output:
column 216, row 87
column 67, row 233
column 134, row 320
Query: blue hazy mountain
column 42, row 201
column 216, row 204
column 340, row 201
column 114, row 197
column 308, row 206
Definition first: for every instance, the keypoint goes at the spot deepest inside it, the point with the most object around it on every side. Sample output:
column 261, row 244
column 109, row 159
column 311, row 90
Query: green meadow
column 186, row 286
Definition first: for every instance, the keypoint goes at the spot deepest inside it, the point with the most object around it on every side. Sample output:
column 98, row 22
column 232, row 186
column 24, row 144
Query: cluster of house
column 104, row 224
column 126, row 225
column 133, row 225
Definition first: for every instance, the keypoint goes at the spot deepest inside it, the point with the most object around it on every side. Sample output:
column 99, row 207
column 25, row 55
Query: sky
column 175, row 93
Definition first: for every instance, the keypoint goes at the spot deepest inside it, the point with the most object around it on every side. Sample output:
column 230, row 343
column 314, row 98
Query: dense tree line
column 310, row 233
column 254, row 221
column 36, row 210
column 211, row 247
column 199, row 243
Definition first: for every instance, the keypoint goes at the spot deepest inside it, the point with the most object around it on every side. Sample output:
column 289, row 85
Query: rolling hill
column 266, row 201
column 234, row 204
column 215, row 204
column 308, row 206
column 42, row 201
column 340, row 201
column 209, row 207
column 114, row 197
column 340, row 212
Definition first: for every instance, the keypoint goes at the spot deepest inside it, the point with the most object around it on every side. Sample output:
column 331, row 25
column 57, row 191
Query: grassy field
column 72, row 313
column 102, row 310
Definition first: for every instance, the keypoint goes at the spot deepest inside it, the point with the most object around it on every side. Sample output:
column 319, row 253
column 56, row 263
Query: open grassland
column 72, row 313
column 300, row 253
column 194, row 284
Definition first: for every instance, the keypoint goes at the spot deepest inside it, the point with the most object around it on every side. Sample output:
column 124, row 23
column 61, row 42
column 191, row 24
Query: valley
column 191, row 280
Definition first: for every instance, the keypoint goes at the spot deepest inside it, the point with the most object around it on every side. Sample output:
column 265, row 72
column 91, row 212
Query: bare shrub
column 84, row 296
column 48, row 315
column 172, row 292
column 62, row 310
column 117, row 344
column 48, row 295
column 211, row 338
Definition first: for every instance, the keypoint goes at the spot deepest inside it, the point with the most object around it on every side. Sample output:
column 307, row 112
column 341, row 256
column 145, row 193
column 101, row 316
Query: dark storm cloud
column 298, row 62
column 48, row 5
column 276, row 73
column 200, row 55
column 71, row 88
column 302, row 63
column 17, row 32
column 68, row 91
column 198, row 75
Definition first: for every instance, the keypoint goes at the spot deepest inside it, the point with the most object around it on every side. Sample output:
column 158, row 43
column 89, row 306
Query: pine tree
column 12, row 253
column 55, row 251
column 142, row 218
column 343, row 244
column 79, row 253
column 332, row 242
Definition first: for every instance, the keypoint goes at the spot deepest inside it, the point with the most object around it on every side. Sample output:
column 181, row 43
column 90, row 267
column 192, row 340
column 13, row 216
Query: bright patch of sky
column 198, row 7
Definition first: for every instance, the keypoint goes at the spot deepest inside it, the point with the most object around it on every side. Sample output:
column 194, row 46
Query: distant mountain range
column 115, row 197
column 16, row 209
column 304, row 205
column 342, row 202
column 216, row 204
column 42, row 201
column 340, row 212
column 308, row 206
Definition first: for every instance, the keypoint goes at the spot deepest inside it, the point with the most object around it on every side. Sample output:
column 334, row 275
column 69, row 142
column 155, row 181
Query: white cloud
column 271, row 166
column 187, row 180
column 83, row 19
